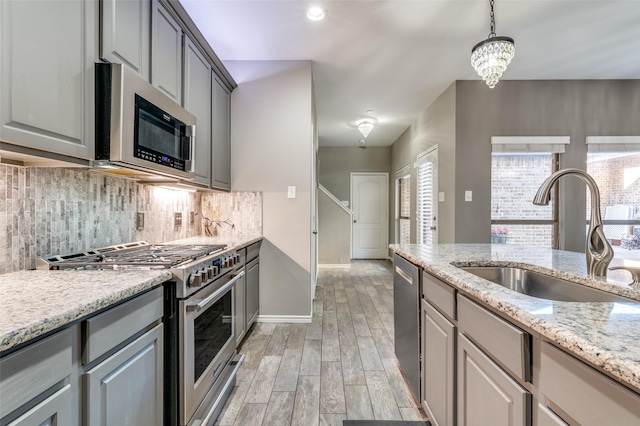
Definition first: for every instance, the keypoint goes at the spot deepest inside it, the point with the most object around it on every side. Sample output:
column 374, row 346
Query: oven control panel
column 209, row 270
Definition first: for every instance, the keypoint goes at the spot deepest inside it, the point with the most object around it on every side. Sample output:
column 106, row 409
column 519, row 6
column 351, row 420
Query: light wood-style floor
column 341, row 366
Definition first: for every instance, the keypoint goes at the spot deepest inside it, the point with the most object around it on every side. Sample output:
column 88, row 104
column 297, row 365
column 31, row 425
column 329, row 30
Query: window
column 427, row 165
column 614, row 163
column 403, row 209
column 519, row 165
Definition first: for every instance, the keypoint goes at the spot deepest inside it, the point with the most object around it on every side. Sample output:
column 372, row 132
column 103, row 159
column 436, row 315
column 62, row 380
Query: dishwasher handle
column 404, row 275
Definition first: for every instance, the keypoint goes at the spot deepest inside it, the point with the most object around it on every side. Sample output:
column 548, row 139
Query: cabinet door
column 126, row 388
column 253, row 291
column 546, row 417
column 197, row 100
column 125, row 34
column 487, row 396
column 53, row 411
column 438, row 366
column 240, row 320
column 221, row 146
column 47, row 54
column 166, row 52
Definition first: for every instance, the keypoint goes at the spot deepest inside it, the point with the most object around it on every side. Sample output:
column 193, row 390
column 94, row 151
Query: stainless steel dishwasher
column 406, row 319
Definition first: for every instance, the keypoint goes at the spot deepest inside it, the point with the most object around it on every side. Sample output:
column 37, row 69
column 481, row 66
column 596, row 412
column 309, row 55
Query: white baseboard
column 284, row 318
column 334, row 266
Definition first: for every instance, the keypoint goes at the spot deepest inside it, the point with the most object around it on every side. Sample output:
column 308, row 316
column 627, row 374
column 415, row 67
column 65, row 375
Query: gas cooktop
column 139, row 255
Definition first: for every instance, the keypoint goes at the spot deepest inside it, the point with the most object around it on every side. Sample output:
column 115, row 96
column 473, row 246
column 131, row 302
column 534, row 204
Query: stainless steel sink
column 542, row 286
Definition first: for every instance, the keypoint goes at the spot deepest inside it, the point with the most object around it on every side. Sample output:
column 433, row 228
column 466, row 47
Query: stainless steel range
column 200, row 353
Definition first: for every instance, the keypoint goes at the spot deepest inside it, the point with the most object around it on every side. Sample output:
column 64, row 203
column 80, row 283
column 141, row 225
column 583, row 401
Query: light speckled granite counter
column 33, row 303
column 605, row 334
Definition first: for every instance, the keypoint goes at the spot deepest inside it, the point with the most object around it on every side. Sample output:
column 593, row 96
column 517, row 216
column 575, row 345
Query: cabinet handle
column 404, row 275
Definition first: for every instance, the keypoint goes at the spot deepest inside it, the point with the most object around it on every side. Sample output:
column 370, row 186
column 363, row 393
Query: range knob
column 209, row 271
column 237, row 256
column 195, row 280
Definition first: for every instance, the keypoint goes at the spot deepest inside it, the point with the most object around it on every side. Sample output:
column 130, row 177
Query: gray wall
column 535, row 108
column 334, row 232
column 336, row 164
column 272, row 147
column 434, row 126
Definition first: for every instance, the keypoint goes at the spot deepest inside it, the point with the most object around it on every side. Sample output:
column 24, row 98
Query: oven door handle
column 197, row 307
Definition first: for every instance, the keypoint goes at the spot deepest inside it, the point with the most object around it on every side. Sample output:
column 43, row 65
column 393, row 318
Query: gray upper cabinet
column 126, row 34
column 197, row 100
column 47, row 76
column 166, row 52
column 221, row 144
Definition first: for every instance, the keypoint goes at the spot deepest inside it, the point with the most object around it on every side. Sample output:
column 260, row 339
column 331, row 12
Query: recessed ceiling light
column 315, row 14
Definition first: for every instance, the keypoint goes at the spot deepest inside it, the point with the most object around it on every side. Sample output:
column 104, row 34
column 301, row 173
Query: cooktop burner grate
column 138, row 254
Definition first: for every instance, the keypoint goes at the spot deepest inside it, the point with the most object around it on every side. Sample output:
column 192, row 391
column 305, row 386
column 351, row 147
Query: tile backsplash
column 47, row 211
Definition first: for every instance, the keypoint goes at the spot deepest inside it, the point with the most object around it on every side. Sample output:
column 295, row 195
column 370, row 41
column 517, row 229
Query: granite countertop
column 35, row 302
column 604, row 334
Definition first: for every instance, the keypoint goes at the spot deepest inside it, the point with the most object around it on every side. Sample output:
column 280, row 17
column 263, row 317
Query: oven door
column 208, row 341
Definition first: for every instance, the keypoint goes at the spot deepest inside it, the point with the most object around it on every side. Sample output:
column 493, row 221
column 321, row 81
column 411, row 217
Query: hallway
column 341, row 366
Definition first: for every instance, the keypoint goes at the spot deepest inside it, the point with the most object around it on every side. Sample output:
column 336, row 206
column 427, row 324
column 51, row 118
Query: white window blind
column 425, row 201
column 613, row 143
column 515, row 144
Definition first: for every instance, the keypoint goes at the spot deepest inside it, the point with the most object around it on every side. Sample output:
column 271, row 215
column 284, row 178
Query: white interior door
column 369, row 203
column 427, row 197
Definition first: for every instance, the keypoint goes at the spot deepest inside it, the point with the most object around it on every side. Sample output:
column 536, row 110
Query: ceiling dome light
column 315, row 14
column 490, row 57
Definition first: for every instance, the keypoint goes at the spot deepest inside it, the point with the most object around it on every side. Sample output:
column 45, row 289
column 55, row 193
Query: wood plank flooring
column 339, row 367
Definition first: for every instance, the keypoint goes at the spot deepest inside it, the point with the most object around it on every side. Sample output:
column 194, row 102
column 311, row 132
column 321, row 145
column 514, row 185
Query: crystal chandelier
column 490, row 57
column 365, row 126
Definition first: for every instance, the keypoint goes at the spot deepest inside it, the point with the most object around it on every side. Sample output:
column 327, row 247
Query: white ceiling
column 396, row 57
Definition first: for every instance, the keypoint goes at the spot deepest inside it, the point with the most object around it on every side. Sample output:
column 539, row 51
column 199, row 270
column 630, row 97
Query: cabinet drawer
column 28, row 372
column 107, row 330
column 586, row 395
column 441, row 295
column 506, row 343
column 253, row 251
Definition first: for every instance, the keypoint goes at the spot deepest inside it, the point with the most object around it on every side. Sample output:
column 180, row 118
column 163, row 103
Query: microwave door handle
column 204, row 304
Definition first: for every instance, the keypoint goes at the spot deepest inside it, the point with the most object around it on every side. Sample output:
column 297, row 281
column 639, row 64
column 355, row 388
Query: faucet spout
column 598, row 250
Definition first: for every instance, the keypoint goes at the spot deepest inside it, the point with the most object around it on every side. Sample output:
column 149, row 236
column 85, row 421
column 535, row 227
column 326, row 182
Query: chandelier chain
column 493, row 21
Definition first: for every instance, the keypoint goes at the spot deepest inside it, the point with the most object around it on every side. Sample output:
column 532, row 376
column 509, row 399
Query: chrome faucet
column 598, row 250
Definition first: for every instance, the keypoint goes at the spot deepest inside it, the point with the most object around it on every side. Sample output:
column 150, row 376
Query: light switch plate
column 468, row 195
column 291, row 192
column 441, row 197
column 177, row 219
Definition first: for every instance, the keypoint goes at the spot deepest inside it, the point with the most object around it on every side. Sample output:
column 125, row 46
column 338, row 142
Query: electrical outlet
column 192, row 218
column 177, row 219
column 140, row 221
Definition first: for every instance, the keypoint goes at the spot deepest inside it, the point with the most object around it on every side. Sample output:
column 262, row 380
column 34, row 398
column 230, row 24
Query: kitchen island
column 602, row 336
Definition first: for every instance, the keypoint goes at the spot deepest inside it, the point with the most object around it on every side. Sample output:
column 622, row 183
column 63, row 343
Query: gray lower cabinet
column 253, row 291
column 221, row 136
column 197, row 100
column 438, row 366
column 586, row 396
column 166, row 52
column 125, row 34
column 35, row 383
column 47, row 76
column 546, row 417
column 487, row 396
column 126, row 388
column 240, row 316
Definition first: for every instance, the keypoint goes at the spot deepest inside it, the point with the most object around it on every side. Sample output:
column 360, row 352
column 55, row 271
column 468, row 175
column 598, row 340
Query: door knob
column 355, row 221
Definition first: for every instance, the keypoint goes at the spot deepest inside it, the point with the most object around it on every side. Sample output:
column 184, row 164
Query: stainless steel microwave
column 139, row 128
